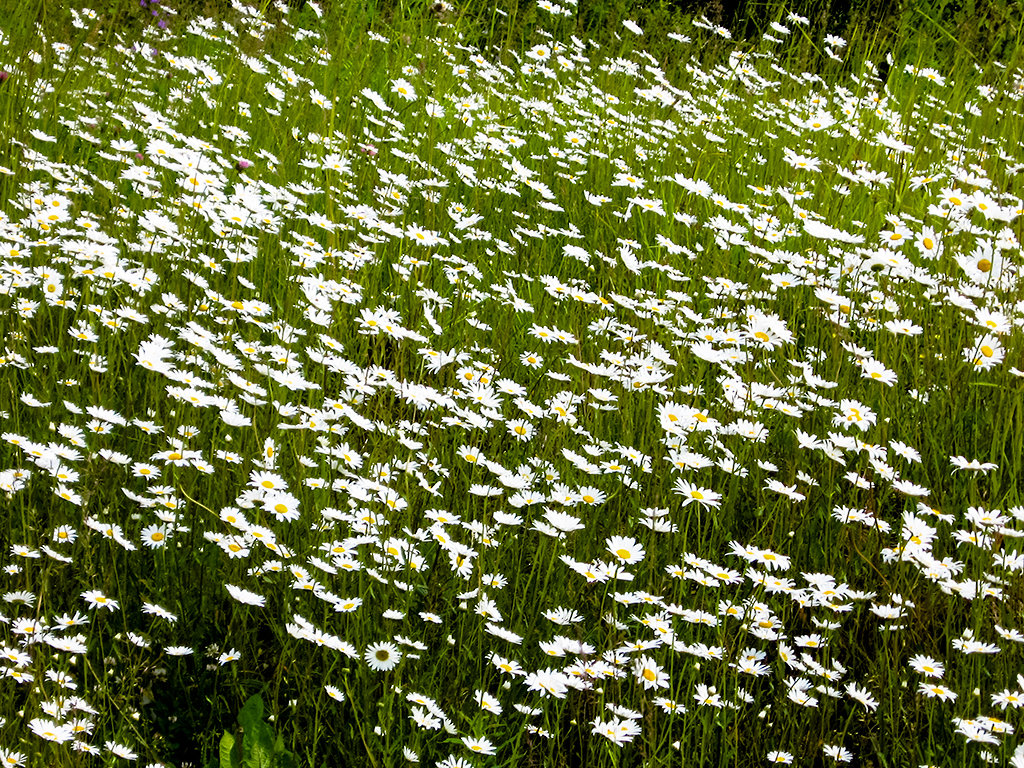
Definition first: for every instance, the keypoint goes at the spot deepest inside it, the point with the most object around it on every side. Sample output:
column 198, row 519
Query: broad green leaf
column 228, row 756
column 251, row 713
column 259, row 756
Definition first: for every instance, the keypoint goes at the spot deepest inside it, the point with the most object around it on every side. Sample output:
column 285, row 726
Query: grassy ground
column 561, row 404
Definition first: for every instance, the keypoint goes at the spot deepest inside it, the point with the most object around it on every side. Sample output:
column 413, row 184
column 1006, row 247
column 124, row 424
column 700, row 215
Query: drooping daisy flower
column 927, row 666
column 245, row 596
column 692, row 493
column 334, row 693
column 960, row 462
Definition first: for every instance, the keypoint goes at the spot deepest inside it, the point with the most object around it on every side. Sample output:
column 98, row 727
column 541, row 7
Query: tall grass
column 476, row 393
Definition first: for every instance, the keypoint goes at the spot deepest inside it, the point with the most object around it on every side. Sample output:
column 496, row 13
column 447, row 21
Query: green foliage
column 255, row 745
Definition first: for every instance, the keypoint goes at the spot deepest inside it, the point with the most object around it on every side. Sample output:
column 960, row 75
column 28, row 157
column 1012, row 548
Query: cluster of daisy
column 426, row 410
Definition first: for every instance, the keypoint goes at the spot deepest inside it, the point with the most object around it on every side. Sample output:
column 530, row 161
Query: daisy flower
column 649, row 673
column 244, row 596
column 382, row 657
column 334, row 693
column 480, row 746
column 960, row 462
column 927, row 666
column 120, row 750
column 837, row 753
column 627, row 550
column 97, row 599
column 404, row 89
column 876, row 371
column 693, row 493
column 936, row 691
column 155, row 536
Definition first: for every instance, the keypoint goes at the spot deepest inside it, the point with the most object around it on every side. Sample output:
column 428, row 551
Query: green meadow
column 523, row 385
